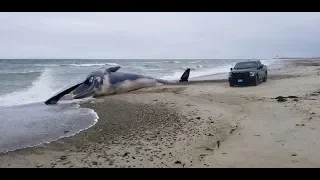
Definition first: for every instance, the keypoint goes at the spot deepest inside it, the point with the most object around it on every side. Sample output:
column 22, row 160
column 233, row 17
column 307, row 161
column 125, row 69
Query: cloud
column 158, row 35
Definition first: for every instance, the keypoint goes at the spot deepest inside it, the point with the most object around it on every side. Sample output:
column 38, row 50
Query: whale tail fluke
column 185, row 76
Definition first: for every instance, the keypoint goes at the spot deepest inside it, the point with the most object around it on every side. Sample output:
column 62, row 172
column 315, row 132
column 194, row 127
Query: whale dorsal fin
column 112, row 69
column 185, row 75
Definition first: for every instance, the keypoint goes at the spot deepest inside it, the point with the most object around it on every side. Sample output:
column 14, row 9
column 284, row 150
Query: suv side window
column 259, row 63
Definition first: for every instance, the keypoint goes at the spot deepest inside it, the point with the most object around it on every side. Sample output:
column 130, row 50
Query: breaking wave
column 39, row 91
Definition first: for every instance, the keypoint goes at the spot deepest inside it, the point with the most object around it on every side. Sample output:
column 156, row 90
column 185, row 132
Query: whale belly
column 120, row 83
column 129, row 85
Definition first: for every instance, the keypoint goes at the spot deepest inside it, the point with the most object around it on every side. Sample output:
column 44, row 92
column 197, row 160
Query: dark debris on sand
column 284, row 98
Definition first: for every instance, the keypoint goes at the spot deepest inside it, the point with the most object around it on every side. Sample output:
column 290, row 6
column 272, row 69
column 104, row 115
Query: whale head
column 90, row 86
column 93, row 84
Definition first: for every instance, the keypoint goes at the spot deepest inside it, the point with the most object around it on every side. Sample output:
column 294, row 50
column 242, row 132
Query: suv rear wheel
column 265, row 77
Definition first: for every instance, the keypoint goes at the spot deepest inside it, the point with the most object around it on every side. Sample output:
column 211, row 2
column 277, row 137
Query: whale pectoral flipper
column 56, row 98
column 111, row 69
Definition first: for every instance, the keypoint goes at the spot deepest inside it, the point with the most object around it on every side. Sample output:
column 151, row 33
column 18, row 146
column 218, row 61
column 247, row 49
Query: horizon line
column 121, row 58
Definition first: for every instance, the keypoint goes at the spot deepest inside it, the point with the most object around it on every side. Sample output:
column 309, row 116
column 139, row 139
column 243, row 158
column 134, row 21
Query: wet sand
column 196, row 124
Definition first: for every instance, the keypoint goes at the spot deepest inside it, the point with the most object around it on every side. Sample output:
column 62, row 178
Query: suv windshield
column 245, row 65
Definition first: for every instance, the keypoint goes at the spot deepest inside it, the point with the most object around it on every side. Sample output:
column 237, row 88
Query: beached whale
column 110, row 81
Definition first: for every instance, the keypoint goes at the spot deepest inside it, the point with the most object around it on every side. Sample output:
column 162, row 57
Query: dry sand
column 207, row 124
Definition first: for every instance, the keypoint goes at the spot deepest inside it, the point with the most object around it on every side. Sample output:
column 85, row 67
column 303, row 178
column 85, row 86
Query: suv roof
column 257, row 61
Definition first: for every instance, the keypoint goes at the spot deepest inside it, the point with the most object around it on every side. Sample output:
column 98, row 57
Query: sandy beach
column 196, row 124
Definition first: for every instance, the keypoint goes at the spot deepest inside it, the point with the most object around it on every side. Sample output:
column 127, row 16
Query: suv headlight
column 252, row 73
column 230, row 74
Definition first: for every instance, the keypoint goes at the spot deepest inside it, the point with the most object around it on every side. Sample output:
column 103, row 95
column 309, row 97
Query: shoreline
column 194, row 124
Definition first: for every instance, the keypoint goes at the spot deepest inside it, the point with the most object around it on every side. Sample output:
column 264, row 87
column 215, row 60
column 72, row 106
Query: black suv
column 248, row 72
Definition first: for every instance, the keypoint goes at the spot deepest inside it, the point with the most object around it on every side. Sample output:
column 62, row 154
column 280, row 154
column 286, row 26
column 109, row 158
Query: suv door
column 260, row 71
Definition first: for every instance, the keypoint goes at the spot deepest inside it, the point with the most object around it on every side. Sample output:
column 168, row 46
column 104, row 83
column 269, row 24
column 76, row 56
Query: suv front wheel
column 256, row 82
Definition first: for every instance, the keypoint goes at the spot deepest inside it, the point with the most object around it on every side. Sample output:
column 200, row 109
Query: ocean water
column 26, row 83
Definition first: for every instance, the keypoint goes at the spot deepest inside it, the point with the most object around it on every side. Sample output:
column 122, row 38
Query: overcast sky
column 159, row 35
